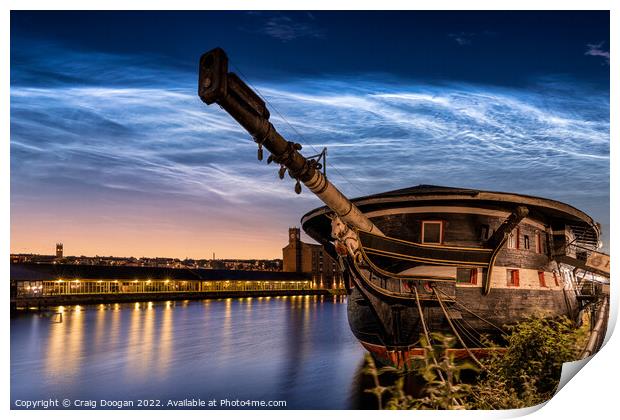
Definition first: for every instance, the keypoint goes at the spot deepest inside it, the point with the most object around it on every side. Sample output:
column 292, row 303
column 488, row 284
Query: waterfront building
column 301, row 257
column 36, row 283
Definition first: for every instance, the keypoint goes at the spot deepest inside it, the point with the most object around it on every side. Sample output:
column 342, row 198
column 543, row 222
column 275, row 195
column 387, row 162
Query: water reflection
column 166, row 338
column 133, row 343
column 56, row 349
column 65, row 343
column 99, row 326
column 148, row 346
column 298, row 349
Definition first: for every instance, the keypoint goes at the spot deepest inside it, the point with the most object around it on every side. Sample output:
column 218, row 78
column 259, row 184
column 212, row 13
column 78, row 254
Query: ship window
column 512, row 278
column 432, row 232
column 513, row 239
column 473, row 276
column 484, row 232
column 541, row 279
column 467, row 275
column 511, row 243
column 526, row 242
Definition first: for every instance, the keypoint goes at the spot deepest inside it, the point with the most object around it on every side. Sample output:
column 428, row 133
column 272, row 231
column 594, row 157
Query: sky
column 113, row 153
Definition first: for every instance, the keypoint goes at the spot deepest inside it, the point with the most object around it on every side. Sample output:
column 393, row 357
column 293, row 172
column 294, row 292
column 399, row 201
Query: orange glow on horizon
column 78, row 241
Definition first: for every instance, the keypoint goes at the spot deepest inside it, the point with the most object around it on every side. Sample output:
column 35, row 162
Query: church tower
column 294, row 236
column 59, row 250
column 291, row 253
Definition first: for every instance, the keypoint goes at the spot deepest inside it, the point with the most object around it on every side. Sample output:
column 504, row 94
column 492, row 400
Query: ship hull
column 488, row 317
column 463, row 283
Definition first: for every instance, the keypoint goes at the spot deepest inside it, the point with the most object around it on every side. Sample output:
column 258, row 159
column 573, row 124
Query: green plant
column 443, row 389
column 528, row 372
column 536, row 350
column 525, row 374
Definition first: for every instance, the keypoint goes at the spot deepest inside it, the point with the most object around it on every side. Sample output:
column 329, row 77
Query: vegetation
column 525, row 374
column 529, row 371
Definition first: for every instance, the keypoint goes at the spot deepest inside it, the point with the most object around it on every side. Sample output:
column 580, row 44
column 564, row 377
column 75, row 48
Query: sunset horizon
column 112, row 152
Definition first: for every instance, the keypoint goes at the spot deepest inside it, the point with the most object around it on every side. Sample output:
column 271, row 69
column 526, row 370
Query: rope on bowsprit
column 320, row 155
column 315, row 160
column 324, row 152
column 456, row 333
column 284, row 160
column 216, row 85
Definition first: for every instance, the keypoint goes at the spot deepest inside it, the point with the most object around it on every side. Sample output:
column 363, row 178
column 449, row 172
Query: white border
column 591, row 394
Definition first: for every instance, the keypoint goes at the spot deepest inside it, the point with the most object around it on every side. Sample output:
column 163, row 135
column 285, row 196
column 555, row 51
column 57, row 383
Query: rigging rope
column 426, row 334
column 428, row 339
column 272, row 106
column 466, row 333
column 458, row 336
column 476, row 335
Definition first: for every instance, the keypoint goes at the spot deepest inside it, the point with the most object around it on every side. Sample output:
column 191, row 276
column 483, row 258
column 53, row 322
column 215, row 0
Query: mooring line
column 475, row 335
column 426, row 334
column 471, row 336
column 458, row 336
column 456, row 401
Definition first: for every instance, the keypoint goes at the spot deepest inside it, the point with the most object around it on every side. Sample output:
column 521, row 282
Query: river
column 297, row 349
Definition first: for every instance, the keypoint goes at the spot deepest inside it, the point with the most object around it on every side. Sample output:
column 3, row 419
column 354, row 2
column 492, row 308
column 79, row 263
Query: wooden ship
column 430, row 258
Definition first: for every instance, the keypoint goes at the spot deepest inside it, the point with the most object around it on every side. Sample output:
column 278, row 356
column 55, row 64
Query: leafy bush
column 525, row 374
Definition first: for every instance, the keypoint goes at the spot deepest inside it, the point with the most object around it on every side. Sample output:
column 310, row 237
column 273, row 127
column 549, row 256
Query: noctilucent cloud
column 113, row 153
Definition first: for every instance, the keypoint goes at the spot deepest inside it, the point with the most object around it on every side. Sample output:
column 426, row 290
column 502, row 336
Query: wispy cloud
column 462, row 38
column 597, row 50
column 290, row 27
column 153, row 137
column 467, row 38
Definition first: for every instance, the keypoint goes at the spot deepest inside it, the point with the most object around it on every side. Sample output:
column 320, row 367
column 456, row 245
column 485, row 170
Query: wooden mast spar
column 217, row 85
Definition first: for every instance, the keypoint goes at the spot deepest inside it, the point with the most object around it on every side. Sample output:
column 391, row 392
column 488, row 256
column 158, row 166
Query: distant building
column 58, row 250
column 223, row 264
column 301, row 257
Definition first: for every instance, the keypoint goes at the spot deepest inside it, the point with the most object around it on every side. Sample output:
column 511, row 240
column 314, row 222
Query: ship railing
column 584, row 258
column 405, row 289
column 579, row 252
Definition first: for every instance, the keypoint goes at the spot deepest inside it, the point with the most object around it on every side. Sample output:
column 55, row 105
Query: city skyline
column 113, row 152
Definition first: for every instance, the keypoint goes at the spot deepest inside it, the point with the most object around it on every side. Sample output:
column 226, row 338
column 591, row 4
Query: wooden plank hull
column 386, row 252
column 393, row 326
column 387, row 283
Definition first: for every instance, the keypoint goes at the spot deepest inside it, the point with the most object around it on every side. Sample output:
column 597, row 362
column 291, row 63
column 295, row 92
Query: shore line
column 38, row 303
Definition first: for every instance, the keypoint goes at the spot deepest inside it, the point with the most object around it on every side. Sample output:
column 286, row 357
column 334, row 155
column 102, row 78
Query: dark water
column 296, row 349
